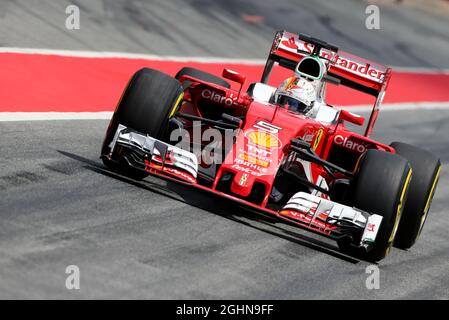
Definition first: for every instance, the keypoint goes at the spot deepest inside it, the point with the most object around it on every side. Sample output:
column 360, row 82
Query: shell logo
column 263, row 139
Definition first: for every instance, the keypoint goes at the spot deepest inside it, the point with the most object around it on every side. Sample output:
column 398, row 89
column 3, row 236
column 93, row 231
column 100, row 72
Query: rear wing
column 351, row 71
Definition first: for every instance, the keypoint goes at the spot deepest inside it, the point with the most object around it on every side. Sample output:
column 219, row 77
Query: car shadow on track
column 216, row 205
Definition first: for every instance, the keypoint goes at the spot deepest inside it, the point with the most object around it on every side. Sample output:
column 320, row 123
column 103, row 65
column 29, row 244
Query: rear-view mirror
column 345, row 115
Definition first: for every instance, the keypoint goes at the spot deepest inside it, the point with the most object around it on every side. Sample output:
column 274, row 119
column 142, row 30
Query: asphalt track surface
column 59, row 206
column 130, row 240
column 408, row 36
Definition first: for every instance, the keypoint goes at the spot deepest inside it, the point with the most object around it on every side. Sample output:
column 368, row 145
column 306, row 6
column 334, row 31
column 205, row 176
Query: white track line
column 38, row 116
column 131, row 56
column 41, row 116
column 141, row 56
column 406, row 106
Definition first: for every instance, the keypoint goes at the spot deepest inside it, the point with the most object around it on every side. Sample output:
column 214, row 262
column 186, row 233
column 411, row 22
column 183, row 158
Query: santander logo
column 293, row 44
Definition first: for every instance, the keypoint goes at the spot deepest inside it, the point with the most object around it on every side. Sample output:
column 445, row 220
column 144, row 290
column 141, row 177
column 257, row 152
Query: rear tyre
column 147, row 104
column 381, row 187
column 202, row 75
column 426, row 170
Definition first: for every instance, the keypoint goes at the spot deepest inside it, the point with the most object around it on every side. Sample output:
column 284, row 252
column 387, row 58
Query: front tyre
column 147, row 104
column 380, row 187
column 426, row 170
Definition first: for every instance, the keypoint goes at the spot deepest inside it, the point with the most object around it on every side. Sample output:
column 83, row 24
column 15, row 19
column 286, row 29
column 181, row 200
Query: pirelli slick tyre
column 426, row 171
column 380, row 186
column 150, row 99
column 202, row 75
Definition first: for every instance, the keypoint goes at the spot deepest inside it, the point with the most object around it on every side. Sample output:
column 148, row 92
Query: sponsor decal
column 172, row 171
column 318, row 137
column 290, row 43
column 179, row 174
column 254, row 160
column 349, row 144
column 211, row 95
column 305, row 218
column 243, row 179
column 256, row 156
column 365, row 69
column 263, row 139
column 248, row 170
column 251, row 166
column 268, row 127
column 257, row 152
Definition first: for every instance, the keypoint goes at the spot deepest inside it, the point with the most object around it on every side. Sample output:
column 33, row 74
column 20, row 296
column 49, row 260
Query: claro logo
column 349, row 144
column 215, row 97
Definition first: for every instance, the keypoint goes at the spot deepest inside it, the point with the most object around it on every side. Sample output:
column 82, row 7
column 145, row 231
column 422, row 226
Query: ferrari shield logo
column 318, row 137
column 243, row 179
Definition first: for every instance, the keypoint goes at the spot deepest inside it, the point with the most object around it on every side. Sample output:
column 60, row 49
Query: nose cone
column 258, row 151
column 255, row 160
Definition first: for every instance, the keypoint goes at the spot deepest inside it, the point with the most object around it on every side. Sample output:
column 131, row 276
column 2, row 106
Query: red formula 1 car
column 280, row 151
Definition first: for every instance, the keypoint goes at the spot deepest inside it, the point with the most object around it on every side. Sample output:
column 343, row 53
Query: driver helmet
column 296, row 94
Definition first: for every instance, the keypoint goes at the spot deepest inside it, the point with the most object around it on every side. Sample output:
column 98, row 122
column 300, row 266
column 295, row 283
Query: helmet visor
column 293, row 104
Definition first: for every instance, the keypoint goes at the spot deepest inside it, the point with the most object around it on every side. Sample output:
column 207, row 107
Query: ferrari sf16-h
column 290, row 155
